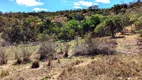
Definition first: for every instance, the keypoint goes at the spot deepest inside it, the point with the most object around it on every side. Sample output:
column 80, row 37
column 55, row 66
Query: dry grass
column 3, row 56
column 4, row 73
column 95, row 67
column 108, row 67
column 113, row 67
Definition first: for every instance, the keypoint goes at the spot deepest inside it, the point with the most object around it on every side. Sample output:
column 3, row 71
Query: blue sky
column 54, row 5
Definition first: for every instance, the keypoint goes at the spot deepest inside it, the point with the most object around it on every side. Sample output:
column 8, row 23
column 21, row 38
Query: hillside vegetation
column 66, row 25
column 85, row 44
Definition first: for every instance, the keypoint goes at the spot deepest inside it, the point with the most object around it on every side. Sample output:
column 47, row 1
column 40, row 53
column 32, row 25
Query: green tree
column 92, row 22
column 114, row 24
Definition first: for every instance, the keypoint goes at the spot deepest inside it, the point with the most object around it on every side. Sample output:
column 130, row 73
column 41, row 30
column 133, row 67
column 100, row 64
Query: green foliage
column 73, row 24
column 114, row 25
column 69, row 30
column 101, row 30
column 138, row 23
column 40, row 26
column 125, row 20
column 134, row 17
column 19, row 31
column 93, row 21
column 66, row 34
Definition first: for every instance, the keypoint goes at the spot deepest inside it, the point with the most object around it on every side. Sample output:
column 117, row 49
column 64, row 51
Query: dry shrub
column 47, row 50
column 140, row 33
column 4, row 73
column 18, row 58
column 66, row 55
column 58, row 61
column 111, row 68
column 26, row 56
column 22, row 57
column 49, row 63
column 35, row 64
column 3, row 56
column 85, row 48
column 92, row 47
column 62, row 50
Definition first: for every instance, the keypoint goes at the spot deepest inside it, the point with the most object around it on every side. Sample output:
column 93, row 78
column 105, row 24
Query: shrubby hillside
column 85, row 44
column 66, row 25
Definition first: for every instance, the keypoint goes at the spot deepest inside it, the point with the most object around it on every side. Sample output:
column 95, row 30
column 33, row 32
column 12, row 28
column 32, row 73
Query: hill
column 65, row 25
column 86, row 44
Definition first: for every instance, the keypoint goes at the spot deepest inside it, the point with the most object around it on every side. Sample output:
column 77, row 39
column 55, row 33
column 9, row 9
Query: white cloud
column 95, row 3
column 84, row 3
column 103, row 1
column 77, row 7
column 76, row 4
column 40, row 9
column 29, row 2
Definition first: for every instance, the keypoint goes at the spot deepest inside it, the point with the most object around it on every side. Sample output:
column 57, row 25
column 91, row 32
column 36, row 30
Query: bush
column 3, row 57
column 26, row 56
column 90, row 44
column 17, row 57
column 102, row 30
column 35, row 64
column 19, row 31
column 22, row 57
column 47, row 50
column 4, row 73
column 18, row 61
column 86, row 48
column 141, row 33
column 91, row 47
column 138, row 25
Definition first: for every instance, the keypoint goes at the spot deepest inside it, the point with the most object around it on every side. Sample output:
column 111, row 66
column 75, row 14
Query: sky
column 54, row 5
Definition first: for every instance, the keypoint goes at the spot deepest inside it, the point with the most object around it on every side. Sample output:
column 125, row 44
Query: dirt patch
column 128, row 45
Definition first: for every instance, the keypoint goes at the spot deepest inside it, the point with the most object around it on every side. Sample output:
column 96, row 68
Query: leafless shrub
column 18, row 58
column 47, row 50
column 87, row 47
column 26, row 56
column 3, row 56
column 91, row 47
column 66, row 51
column 22, row 56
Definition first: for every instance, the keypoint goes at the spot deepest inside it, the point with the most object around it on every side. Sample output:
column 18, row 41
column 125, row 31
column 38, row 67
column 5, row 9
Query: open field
column 108, row 67
column 118, row 66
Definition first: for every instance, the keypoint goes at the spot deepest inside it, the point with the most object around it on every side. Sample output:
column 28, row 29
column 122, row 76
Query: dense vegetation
column 66, row 25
